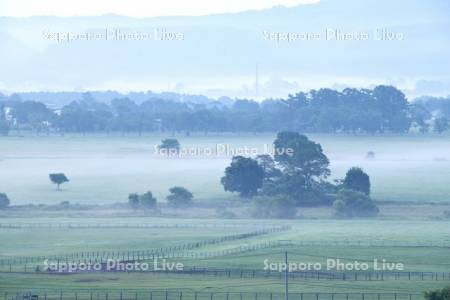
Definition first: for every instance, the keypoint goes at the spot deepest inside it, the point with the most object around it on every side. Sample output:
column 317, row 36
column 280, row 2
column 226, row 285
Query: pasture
column 422, row 246
column 105, row 169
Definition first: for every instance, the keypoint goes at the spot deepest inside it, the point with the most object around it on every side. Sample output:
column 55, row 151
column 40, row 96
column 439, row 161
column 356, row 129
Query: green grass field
column 50, row 241
column 105, row 169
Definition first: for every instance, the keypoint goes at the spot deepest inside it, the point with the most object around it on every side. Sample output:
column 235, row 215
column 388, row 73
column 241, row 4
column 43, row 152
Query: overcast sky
column 135, row 8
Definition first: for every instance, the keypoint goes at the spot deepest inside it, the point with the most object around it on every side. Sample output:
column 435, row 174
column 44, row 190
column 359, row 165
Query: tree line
column 383, row 109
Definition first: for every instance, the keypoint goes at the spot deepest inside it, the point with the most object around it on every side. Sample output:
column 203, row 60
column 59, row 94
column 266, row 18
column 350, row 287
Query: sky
column 136, row 8
column 222, row 43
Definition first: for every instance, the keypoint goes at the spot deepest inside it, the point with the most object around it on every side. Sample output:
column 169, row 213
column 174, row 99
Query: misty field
column 105, row 169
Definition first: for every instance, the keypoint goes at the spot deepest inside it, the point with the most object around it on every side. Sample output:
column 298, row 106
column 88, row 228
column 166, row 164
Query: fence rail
column 192, row 295
column 257, row 274
column 36, row 266
column 183, row 250
column 379, row 243
column 73, row 225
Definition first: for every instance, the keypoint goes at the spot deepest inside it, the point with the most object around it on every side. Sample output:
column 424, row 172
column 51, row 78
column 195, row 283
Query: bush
column 142, row 201
column 133, row 200
column 169, row 146
column 64, row 204
column 350, row 203
column 4, row 201
column 370, row 155
column 443, row 294
column 179, row 197
column 276, row 207
column 147, row 200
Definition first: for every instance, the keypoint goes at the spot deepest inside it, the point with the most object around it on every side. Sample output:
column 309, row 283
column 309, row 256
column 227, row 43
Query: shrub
column 147, row 200
column 277, row 207
column 4, row 201
column 142, row 201
column 133, row 200
column 179, row 197
column 443, row 294
column 169, row 146
column 58, row 179
column 350, row 203
column 370, row 155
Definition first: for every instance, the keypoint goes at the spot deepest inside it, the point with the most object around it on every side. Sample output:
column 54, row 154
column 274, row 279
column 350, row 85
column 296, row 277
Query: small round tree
column 179, row 197
column 356, row 179
column 147, row 200
column 370, row 155
column 133, row 200
column 4, row 201
column 58, row 179
column 169, row 145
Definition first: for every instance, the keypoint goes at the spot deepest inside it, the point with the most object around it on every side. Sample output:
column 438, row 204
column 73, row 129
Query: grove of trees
column 295, row 178
column 383, row 109
column 146, row 200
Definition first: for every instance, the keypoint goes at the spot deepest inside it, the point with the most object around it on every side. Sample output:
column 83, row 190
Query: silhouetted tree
column 244, row 175
column 179, row 197
column 58, row 179
column 440, row 125
column 4, row 201
column 356, row 179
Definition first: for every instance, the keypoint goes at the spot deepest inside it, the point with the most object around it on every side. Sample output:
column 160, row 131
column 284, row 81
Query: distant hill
column 218, row 54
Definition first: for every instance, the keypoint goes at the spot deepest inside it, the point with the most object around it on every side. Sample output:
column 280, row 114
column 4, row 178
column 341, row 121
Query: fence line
column 32, row 267
column 73, row 225
column 194, row 295
column 380, row 243
column 259, row 274
column 137, row 255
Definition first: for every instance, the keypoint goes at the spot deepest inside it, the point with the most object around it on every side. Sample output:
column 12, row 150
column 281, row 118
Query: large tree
column 297, row 154
column 244, row 175
column 393, row 106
